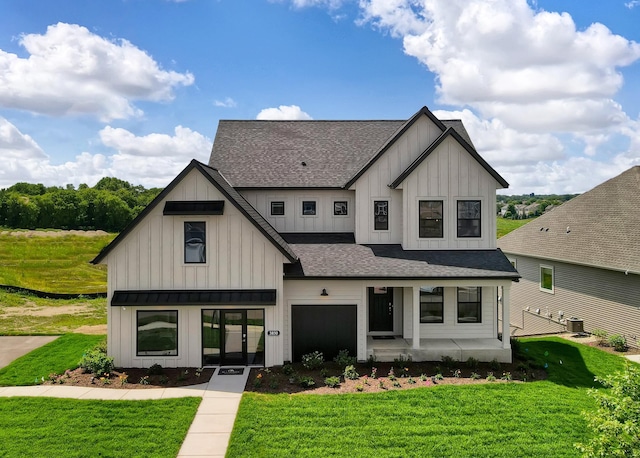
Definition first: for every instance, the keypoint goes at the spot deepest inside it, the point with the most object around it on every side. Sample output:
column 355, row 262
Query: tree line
column 109, row 205
column 511, row 204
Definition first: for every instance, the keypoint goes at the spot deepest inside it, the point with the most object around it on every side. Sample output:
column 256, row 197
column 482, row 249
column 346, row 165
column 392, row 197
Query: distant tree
column 112, row 184
column 28, row 189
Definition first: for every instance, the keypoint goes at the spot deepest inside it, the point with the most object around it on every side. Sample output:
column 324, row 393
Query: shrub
column 343, row 359
column 447, row 361
column 163, row 380
column 324, row 372
column 332, row 382
column 506, row 376
column 288, row 369
column 495, row 365
column 602, row 336
column 313, row 360
column 618, row 342
column 350, row 373
column 515, row 346
column 472, row 363
column 155, row 369
column 306, row 381
column 144, row 380
column 475, row 376
column 491, row 377
column 616, row 421
column 96, row 362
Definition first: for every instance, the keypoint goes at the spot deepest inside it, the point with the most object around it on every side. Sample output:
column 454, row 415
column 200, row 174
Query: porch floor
column 435, row 349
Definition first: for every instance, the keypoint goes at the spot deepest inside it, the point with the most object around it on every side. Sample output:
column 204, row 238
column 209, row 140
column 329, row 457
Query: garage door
column 326, row 328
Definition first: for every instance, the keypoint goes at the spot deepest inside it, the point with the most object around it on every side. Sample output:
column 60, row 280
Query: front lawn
column 55, row 357
column 35, row 427
column 507, row 419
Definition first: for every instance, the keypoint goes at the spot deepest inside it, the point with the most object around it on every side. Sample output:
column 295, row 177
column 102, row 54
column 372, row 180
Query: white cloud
column 331, row 4
column 72, row 71
column 14, row 145
column 632, row 4
column 283, row 112
column 228, row 102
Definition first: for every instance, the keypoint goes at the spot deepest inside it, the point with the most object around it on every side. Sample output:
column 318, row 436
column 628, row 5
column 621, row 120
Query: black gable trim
column 193, row 207
column 194, row 297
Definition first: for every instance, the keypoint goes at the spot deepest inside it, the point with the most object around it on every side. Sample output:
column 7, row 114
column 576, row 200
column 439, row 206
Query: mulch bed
column 136, row 378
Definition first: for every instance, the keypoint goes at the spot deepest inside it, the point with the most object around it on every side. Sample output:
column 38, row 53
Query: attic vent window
column 193, row 207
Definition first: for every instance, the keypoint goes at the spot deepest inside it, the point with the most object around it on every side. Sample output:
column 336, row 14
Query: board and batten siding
column 449, row 174
column 603, row 299
column 151, row 257
column 293, row 220
column 374, row 183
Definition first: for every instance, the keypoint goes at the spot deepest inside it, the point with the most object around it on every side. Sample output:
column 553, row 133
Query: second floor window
column 381, row 215
column 277, row 208
column 195, row 242
column 469, row 218
column 430, row 225
column 309, row 207
column 340, row 208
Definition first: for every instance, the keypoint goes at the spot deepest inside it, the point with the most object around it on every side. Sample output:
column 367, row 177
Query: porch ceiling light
column 324, row 292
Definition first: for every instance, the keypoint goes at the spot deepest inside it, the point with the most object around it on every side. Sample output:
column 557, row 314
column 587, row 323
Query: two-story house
column 378, row 237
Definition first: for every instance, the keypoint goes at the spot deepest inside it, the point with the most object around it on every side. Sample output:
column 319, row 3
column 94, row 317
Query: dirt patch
column 29, row 234
column 98, row 329
column 134, row 378
column 46, row 311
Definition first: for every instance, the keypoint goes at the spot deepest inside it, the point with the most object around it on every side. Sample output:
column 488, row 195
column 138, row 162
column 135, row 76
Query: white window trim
column 483, row 217
column 553, row 279
column 445, row 225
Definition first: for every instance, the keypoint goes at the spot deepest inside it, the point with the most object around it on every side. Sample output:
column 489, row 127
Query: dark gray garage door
column 326, row 328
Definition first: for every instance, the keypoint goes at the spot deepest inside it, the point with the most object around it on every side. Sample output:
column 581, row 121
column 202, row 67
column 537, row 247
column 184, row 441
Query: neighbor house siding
column 604, row 299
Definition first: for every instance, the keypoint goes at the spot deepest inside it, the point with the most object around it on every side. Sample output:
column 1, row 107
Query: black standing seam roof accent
column 194, row 297
column 223, row 186
column 193, row 207
column 449, row 132
column 423, row 111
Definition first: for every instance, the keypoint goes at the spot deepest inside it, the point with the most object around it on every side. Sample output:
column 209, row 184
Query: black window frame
column 380, row 220
column 335, row 209
column 156, row 353
column 467, row 304
column 430, row 222
column 279, row 203
column 436, row 292
column 465, row 226
column 189, row 241
column 309, row 202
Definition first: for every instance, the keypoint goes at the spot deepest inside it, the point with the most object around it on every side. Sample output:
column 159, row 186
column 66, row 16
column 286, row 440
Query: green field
column 505, row 225
column 53, row 264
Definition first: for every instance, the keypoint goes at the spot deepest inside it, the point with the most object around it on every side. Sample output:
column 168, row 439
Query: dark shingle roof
column 391, row 261
column 270, row 154
column 599, row 228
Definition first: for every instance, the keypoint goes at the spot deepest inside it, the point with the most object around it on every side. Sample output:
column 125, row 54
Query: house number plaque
column 273, row 333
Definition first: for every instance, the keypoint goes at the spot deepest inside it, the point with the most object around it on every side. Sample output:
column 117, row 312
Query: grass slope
column 53, row 264
column 537, row 419
column 504, row 226
column 63, row 353
column 35, row 427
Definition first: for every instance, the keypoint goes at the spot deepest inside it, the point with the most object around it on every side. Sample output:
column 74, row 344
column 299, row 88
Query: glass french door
column 232, row 337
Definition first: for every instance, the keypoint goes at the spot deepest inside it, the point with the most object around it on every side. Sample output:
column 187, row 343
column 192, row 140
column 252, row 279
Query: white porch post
column 416, row 317
column 506, row 323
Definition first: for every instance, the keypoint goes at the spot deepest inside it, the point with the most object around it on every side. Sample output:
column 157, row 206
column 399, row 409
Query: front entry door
column 380, row 309
column 234, row 337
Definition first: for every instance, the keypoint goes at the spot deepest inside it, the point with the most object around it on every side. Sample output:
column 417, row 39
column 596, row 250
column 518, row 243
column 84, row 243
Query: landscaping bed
column 134, row 378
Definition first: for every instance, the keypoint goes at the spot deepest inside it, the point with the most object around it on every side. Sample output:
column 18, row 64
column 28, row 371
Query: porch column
column 416, row 317
column 506, row 323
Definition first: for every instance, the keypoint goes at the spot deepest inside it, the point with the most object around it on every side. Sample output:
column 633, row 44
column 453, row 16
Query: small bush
column 495, row 365
column 602, row 337
column 155, row 369
column 618, row 342
column 475, row 376
column 447, row 361
column 506, row 376
column 456, row 373
column 164, row 380
column 306, row 381
column 96, row 362
column 516, row 348
column 491, row 377
column 144, row 380
column 324, row 372
column 350, row 373
column 288, row 369
column 472, row 363
column 313, row 360
column 371, row 360
column 332, row 382
column 343, row 359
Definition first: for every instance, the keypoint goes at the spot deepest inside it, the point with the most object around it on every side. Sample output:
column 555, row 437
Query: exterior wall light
column 324, row 292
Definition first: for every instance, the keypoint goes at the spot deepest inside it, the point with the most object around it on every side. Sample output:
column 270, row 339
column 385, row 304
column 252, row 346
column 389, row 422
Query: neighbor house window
column 381, row 215
column 157, row 333
column 340, row 208
column 277, row 208
column 469, row 304
column 431, row 304
column 430, row 216
column 309, row 207
column 546, row 278
column 469, row 218
column 194, row 242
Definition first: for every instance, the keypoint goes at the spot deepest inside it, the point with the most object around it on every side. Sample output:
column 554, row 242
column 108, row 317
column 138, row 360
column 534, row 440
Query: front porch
column 435, row 349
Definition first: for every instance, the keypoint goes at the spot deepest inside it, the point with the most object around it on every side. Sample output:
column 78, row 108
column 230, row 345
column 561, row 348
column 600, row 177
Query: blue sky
column 549, row 90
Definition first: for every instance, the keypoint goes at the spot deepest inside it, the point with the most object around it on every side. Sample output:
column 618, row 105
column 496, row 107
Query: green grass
column 57, row 356
column 533, row 419
column 53, row 264
column 24, row 314
column 35, row 427
column 504, row 226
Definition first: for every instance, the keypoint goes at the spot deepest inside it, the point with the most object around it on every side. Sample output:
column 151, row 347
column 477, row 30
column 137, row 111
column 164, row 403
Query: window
column 431, row 304
column 468, row 218
column 194, row 242
column 430, row 216
column 157, row 333
column 546, row 278
column 381, row 215
column 309, row 207
column 277, row 208
column 340, row 208
column 469, row 304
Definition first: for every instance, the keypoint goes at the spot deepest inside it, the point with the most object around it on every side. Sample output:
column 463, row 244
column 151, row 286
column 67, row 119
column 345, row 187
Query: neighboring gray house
column 582, row 260
column 378, row 237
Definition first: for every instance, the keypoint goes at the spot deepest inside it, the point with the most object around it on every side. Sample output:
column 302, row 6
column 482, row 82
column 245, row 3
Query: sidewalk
column 211, row 428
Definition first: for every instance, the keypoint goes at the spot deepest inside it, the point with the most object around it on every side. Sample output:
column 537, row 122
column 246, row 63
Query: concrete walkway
column 211, row 428
column 13, row 347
